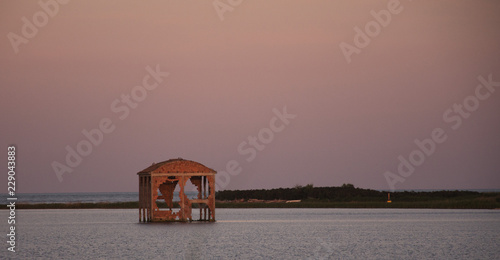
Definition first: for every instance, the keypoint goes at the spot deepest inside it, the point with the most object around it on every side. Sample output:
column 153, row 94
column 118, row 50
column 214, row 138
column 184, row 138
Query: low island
column 345, row 196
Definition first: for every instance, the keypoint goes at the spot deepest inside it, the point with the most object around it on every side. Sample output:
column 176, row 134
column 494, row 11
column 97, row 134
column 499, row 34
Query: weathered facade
column 164, row 177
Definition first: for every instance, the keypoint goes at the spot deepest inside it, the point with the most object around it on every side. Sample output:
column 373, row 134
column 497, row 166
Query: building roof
column 177, row 166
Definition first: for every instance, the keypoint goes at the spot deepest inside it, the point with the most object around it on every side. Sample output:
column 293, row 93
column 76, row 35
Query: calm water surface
column 92, row 197
column 260, row 234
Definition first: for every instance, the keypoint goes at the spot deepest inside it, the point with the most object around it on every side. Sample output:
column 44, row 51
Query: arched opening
column 169, row 190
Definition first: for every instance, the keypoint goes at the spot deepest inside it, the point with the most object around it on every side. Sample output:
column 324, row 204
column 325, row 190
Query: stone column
column 147, row 196
column 211, row 201
column 140, row 198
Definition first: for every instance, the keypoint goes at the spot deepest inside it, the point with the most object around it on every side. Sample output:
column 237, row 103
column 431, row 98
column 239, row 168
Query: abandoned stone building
column 163, row 178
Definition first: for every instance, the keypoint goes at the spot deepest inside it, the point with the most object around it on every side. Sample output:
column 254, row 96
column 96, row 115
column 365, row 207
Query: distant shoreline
column 439, row 204
column 345, row 196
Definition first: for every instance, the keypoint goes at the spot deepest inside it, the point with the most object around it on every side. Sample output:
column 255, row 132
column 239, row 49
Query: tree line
column 344, row 193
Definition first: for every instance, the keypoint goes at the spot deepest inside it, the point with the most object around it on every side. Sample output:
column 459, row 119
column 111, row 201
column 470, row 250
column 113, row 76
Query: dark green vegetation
column 445, row 204
column 347, row 196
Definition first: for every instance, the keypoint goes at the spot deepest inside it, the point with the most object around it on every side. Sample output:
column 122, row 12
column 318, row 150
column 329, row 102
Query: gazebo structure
column 164, row 177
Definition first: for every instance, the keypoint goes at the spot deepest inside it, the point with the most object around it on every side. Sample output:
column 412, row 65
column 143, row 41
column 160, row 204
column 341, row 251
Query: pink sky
column 352, row 120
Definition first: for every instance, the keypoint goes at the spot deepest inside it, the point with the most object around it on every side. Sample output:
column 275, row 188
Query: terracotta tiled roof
column 177, row 166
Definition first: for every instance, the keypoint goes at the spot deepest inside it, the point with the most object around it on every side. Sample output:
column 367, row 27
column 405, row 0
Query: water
column 259, row 234
column 84, row 197
column 111, row 196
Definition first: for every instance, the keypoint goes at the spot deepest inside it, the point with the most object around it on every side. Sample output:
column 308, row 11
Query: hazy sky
column 232, row 69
